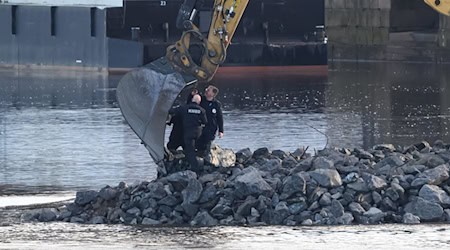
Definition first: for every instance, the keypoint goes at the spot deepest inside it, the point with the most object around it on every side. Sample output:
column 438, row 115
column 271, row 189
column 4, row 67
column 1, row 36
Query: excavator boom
column 146, row 94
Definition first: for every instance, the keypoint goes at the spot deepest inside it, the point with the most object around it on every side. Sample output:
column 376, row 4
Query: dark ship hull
column 271, row 33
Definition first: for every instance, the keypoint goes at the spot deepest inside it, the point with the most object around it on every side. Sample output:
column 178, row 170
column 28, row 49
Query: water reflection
column 82, row 236
column 56, row 89
column 395, row 103
column 64, row 130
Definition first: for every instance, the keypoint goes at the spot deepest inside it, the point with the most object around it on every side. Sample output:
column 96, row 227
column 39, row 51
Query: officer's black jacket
column 214, row 115
column 192, row 117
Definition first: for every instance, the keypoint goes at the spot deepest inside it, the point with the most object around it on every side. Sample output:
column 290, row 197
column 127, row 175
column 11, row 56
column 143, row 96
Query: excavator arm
column 145, row 95
column 441, row 6
column 225, row 19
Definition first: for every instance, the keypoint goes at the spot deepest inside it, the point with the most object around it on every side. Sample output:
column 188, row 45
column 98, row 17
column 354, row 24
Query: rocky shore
column 386, row 184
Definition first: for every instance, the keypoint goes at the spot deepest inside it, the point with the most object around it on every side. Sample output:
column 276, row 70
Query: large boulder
column 251, row 183
column 326, row 177
column 220, row 157
column 435, row 194
column 294, row 184
column 180, row 180
column 85, row 197
column 434, row 176
column 426, row 210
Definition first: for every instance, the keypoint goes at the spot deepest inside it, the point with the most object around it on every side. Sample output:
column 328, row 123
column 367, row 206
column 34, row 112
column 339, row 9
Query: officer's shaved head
column 197, row 98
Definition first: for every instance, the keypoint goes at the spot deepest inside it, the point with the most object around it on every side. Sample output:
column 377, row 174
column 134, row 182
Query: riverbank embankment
column 386, row 184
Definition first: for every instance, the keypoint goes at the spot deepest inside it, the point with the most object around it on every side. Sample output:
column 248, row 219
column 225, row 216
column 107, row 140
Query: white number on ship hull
column 163, row 3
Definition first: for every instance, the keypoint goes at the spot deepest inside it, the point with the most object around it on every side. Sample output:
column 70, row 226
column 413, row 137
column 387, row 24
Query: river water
column 62, row 132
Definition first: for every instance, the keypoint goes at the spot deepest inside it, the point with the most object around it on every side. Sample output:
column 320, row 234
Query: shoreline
column 297, row 70
column 385, row 184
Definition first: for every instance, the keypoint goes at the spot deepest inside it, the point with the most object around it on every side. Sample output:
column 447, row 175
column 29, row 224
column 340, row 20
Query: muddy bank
column 386, row 184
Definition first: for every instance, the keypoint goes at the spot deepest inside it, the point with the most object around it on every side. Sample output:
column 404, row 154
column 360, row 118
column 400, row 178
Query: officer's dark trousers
column 203, row 144
column 189, row 152
column 175, row 142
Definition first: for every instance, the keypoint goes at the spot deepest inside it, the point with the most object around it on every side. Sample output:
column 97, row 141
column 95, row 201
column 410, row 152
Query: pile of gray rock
column 385, row 184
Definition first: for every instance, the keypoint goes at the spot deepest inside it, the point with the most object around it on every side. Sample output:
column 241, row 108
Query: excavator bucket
column 145, row 96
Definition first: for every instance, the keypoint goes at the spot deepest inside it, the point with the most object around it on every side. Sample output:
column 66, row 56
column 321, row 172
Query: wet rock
column 388, row 205
column 108, row 193
column 413, row 169
column 169, row 201
column 307, row 222
column 345, row 219
column 208, row 194
column 242, row 156
column 190, row 209
column 447, row 215
column 156, row 190
column 392, row 161
column 362, row 154
column 76, row 219
column 252, row 183
column 271, row 165
column 294, row 184
column 47, row 214
column 221, row 210
column 351, row 177
column 180, row 180
column 433, row 176
column 323, row 163
column 281, row 212
column 395, row 192
column 392, row 185
column 203, row 219
column 326, row 177
column 31, row 215
column 114, row 215
column 300, row 153
column 425, row 210
column 98, row 220
column 192, row 192
column 435, row 194
column 303, row 165
column 289, row 162
column 245, row 208
column 384, row 147
column 409, row 218
column 374, row 215
column 373, row 182
column 261, row 153
column 149, row 221
column 337, row 209
column 325, row 199
column 297, row 208
column 279, row 154
column 134, row 211
column 359, row 185
column 356, row 208
column 84, row 197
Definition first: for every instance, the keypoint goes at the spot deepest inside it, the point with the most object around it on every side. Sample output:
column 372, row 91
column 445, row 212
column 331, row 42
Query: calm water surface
column 62, row 132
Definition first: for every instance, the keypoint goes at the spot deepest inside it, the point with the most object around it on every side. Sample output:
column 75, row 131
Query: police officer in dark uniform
column 214, row 115
column 176, row 135
column 193, row 118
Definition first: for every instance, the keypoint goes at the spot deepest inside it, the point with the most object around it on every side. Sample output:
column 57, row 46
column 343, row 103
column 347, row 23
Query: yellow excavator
column 145, row 95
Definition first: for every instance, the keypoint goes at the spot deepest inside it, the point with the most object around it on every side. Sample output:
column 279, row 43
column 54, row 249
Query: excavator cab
column 145, row 95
